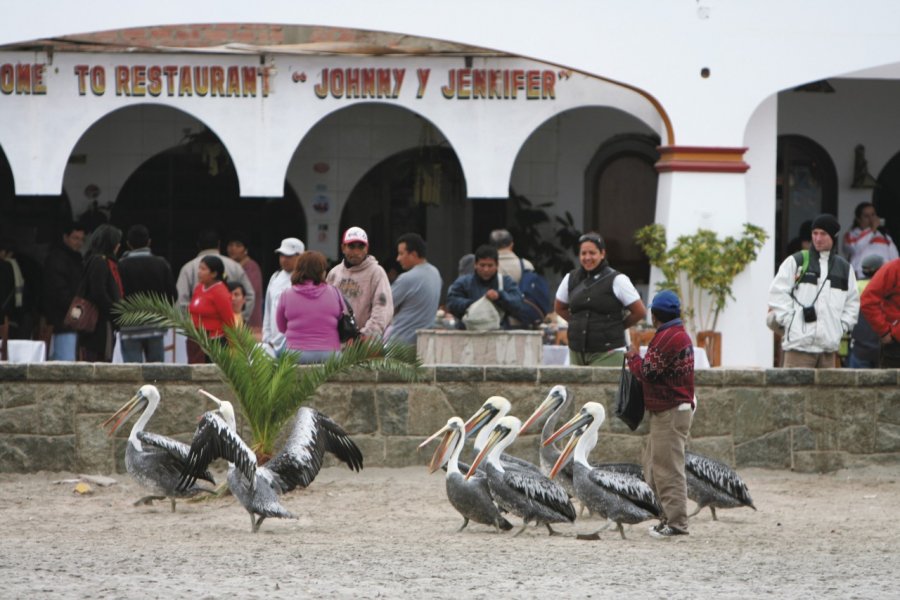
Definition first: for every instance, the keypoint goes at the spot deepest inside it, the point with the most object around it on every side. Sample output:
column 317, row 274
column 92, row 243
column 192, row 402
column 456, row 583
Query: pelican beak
column 550, row 401
column 582, row 419
column 496, row 435
column 434, row 436
column 440, row 453
column 113, row 423
column 566, row 453
column 211, row 397
column 478, row 420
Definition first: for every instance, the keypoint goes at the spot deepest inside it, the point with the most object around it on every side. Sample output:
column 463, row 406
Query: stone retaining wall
column 783, row 419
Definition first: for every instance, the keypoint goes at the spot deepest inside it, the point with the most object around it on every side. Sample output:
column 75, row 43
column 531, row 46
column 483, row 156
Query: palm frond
column 268, row 389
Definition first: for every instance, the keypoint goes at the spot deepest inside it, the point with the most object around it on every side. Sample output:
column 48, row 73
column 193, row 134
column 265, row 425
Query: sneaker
column 665, row 531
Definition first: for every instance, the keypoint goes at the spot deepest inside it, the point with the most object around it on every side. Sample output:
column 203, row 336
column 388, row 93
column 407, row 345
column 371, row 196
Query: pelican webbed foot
column 591, row 537
column 519, row 532
column 551, row 530
column 621, row 530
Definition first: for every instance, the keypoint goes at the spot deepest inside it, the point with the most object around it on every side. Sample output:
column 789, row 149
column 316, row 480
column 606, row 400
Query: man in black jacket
column 142, row 271
column 62, row 274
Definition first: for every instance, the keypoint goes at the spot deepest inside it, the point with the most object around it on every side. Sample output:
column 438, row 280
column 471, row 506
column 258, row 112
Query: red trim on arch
column 704, row 159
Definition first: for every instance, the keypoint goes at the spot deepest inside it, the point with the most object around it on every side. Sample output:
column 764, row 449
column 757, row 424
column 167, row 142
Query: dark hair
column 500, row 238
column 103, row 241
column 413, row 242
column 858, row 211
column 241, row 237
column 486, row 251
column 215, row 264
column 233, row 285
column 138, row 236
column 593, row 237
column 663, row 316
column 208, row 238
column 71, row 226
column 311, row 266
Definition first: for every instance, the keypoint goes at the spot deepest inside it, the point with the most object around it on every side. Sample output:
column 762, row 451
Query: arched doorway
column 194, row 186
column 420, row 190
column 806, row 186
column 886, row 196
column 620, row 184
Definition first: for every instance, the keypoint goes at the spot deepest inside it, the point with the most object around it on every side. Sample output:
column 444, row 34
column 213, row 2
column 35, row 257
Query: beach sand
column 388, row 533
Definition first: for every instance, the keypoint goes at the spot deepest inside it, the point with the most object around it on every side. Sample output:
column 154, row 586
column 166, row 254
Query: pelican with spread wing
column 259, row 487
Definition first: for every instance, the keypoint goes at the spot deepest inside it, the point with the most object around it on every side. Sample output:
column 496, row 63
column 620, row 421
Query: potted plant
column 701, row 268
column 268, row 390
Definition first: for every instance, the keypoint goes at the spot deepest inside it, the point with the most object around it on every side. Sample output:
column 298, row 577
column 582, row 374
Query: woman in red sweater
column 210, row 306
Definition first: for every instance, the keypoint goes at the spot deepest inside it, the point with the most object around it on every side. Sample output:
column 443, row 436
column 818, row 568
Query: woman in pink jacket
column 309, row 311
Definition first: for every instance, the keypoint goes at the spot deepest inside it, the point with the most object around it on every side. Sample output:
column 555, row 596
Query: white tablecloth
column 559, row 355
column 26, row 351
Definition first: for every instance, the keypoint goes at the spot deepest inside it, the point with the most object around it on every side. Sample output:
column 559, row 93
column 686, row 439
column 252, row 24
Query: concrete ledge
column 785, row 419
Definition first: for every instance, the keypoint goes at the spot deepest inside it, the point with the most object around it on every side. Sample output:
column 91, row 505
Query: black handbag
column 347, row 327
column 630, row 399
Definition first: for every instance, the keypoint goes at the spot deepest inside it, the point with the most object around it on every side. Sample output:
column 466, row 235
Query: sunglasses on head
column 589, row 237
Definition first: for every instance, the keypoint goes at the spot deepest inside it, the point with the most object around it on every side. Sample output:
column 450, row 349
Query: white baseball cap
column 356, row 234
column 291, row 247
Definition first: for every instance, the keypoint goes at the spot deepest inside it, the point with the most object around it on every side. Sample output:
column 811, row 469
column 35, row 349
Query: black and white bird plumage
column 620, row 497
column 528, row 494
column 482, row 424
column 154, row 461
column 258, row 488
column 556, row 404
column 714, row 484
column 470, row 497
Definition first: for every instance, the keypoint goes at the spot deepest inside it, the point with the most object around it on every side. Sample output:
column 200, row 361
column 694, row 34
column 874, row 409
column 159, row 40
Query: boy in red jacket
column 667, row 377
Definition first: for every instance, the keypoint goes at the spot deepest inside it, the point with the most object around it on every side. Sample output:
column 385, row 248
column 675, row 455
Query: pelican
column 527, row 494
column 620, row 497
column 714, row 484
column 483, row 422
column 258, row 487
column 470, row 497
column 557, row 402
column 154, row 461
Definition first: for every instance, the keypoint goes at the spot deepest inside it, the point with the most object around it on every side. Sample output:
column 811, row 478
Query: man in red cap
column 815, row 300
column 364, row 284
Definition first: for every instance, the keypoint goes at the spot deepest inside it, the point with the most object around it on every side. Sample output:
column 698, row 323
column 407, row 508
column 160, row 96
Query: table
column 27, row 351
column 559, row 355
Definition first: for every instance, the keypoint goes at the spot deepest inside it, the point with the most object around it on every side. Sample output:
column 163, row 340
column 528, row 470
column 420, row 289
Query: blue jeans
column 63, row 345
column 134, row 350
column 861, row 363
column 310, row 357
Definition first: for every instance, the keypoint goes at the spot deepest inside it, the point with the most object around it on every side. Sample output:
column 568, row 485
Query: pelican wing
column 718, row 475
column 627, row 486
column 214, row 439
column 312, row 435
column 177, row 451
column 540, row 489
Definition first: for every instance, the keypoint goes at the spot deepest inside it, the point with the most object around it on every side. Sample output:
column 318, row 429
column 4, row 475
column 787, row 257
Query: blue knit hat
column 666, row 301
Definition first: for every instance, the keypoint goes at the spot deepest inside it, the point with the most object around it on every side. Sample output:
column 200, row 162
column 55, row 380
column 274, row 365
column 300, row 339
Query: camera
column 809, row 314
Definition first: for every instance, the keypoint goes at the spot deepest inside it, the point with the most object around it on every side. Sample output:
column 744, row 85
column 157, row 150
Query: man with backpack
column 535, row 289
column 814, row 298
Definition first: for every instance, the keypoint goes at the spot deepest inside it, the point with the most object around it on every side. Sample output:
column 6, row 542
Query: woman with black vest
column 600, row 304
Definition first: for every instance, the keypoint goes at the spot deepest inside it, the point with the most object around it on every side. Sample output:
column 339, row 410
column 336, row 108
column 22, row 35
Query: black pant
column 890, row 356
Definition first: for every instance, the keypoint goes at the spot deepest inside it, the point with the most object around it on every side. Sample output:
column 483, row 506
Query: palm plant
column 268, row 389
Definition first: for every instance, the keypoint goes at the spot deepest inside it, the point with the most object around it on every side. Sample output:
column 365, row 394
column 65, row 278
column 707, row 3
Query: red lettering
column 201, row 81
column 518, row 81
column 216, row 81
column 337, row 83
column 479, row 83
column 248, row 81
column 352, row 78
column 154, row 80
column 398, row 81
column 139, row 80
column 321, row 88
column 422, row 75
column 98, row 80
column 234, row 82
column 81, row 72
column 122, row 76
column 184, row 82
column 549, row 85
column 449, row 90
column 23, row 79
column 368, row 82
column 384, row 83
column 170, row 71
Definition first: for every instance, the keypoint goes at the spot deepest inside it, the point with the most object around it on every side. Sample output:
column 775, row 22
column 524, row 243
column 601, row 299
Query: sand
column 388, row 533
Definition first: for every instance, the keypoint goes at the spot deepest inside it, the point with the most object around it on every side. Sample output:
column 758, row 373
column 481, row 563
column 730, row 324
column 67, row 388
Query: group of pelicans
column 495, row 483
